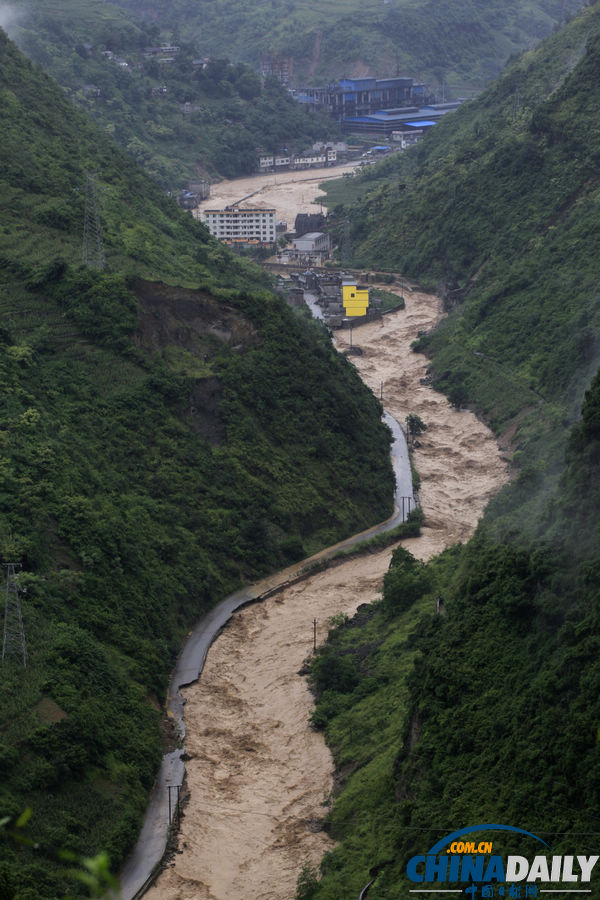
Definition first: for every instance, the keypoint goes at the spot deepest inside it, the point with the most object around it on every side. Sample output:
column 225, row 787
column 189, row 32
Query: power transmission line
column 13, row 643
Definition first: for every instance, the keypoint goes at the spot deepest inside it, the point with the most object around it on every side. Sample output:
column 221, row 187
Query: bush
column 406, row 581
column 307, row 883
column 335, row 673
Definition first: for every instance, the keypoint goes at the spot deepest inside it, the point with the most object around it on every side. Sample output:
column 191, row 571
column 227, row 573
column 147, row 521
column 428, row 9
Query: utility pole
column 173, row 808
column 13, row 643
column 314, row 635
column 93, row 244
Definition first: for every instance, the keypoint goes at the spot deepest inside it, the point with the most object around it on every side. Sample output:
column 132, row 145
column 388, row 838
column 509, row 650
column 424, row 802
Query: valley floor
column 289, row 193
column 259, row 777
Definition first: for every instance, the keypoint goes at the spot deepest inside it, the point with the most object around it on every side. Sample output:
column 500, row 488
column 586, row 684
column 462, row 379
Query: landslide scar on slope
column 187, row 328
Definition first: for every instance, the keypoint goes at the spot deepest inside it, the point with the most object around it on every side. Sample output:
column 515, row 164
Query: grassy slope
column 461, row 43
column 233, row 114
column 159, row 445
column 497, row 721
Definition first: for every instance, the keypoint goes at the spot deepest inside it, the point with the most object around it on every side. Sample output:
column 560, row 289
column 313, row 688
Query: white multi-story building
column 242, row 224
column 325, row 157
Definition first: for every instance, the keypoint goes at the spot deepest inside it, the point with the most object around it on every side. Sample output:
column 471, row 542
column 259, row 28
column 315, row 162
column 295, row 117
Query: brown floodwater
column 259, row 778
column 288, row 192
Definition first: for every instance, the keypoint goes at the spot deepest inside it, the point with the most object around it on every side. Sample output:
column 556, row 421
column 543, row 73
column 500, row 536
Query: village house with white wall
column 324, row 155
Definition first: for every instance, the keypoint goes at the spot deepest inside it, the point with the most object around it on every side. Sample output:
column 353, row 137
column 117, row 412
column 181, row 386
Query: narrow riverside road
column 257, row 773
column 153, row 838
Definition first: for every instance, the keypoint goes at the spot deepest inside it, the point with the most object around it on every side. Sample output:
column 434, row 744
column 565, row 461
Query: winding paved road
column 152, row 841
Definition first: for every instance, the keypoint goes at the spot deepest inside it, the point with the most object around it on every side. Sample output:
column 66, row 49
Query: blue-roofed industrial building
column 364, row 96
column 377, row 106
column 385, row 121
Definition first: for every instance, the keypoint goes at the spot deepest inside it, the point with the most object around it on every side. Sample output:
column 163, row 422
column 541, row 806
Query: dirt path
column 257, row 773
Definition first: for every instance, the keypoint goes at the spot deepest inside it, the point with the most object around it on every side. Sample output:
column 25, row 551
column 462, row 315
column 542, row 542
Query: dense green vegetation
column 451, row 43
column 487, row 711
column 178, row 119
column 498, row 209
column 169, row 429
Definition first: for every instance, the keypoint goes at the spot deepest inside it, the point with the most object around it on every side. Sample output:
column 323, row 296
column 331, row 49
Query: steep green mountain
column 179, row 119
column 169, row 430
column 498, row 209
column 485, row 713
column 453, row 44
column 488, row 711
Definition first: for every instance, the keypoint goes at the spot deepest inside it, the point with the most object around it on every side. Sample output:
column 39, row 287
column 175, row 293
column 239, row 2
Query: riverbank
column 458, row 459
column 149, row 850
column 257, row 774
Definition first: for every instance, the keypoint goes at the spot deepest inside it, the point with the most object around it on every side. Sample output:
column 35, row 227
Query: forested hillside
column 497, row 208
column 181, row 118
column 169, row 430
column 487, row 711
column 453, row 44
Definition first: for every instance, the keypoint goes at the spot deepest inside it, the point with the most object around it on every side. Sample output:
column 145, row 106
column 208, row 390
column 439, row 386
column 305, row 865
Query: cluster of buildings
column 333, row 296
column 378, row 107
column 251, row 224
column 319, row 157
column 401, row 124
column 164, row 55
column 117, row 60
column 398, row 109
column 362, row 96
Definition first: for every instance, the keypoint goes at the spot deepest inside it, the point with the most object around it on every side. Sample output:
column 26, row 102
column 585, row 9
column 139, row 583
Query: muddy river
column 258, row 776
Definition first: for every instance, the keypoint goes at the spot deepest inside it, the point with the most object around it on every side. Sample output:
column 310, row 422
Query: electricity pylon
column 93, row 244
column 13, row 643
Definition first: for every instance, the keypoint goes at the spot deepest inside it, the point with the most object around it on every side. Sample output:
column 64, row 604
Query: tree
column 415, row 425
column 406, row 580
